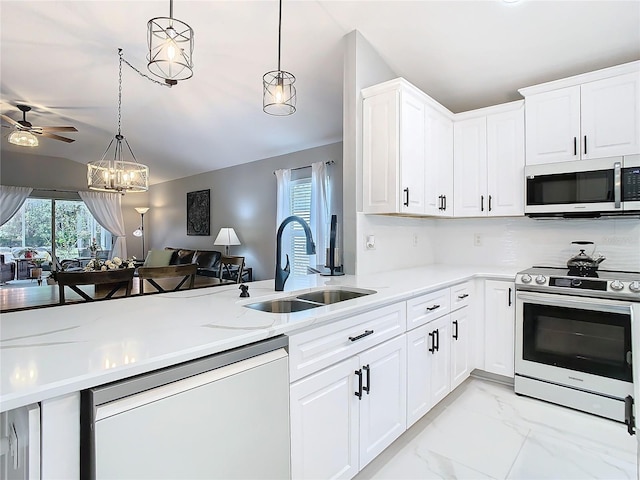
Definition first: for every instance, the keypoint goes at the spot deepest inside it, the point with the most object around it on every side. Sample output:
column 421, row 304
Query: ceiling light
column 170, row 48
column 117, row 174
column 23, row 139
column 278, row 92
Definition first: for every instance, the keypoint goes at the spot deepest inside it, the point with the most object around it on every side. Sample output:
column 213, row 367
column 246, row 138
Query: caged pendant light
column 170, row 48
column 278, row 93
column 117, row 174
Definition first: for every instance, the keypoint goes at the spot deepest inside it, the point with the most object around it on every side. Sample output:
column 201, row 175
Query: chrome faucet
column 283, row 274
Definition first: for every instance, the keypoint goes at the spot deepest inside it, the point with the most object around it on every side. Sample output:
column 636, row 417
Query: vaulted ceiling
column 61, row 58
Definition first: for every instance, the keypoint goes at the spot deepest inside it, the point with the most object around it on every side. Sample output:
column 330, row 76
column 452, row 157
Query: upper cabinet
column 489, row 162
column 407, row 151
column 593, row 115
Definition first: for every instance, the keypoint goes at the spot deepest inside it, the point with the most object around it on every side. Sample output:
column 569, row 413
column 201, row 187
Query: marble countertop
column 45, row 353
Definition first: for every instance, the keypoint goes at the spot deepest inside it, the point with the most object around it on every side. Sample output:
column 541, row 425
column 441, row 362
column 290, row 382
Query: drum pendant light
column 278, row 93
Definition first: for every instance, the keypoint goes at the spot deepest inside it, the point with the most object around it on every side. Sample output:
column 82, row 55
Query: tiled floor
column 484, row 430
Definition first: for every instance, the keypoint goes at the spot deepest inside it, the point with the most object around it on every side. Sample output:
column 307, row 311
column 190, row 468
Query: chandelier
column 115, row 174
column 278, row 92
column 170, row 48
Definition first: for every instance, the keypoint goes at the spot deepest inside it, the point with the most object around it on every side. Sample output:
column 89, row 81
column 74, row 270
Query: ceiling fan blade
column 55, row 137
column 58, row 129
column 9, row 120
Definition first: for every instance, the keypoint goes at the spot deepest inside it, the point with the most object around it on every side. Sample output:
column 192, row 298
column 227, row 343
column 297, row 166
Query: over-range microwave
column 584, row 188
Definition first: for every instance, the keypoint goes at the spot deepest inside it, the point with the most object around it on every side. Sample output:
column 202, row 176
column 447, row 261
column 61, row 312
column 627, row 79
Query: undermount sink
column 329, row 296
column 306, row 301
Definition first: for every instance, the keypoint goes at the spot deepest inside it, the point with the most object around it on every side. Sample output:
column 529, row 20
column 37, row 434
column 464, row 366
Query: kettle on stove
column 584, row 264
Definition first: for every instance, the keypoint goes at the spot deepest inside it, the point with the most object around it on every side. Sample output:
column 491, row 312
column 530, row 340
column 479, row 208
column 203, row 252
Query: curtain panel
column 320, row 217
column 107, row 210
column 11, row 199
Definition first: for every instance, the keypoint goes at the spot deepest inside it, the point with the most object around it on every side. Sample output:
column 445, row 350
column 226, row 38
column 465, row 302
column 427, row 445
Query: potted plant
column 36, row 272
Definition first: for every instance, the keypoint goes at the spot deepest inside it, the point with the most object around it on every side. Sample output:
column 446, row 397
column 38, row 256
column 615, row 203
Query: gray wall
column 242, row 197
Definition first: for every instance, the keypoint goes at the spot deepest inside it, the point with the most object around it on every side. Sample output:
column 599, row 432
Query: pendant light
column 278, row 92
column 117, row 174
column 170, row 48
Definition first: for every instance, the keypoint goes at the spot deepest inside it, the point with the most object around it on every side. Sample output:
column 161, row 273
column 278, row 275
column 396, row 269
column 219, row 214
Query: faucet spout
column 283, row 273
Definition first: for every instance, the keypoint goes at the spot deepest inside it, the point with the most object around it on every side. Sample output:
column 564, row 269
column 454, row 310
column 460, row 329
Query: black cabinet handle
column 432, row 348
column 509, row 296
column 359, row 392
column 482, row 203
column 437, row 345
column 455, row 331
column 463, row 296
column 406, row 203
column 575, row 146
column 629, row 419
column 434, row 307
column 439, row 202
column 365, row 334
column 444, row 206
column 489, row 202
column 585, row 144
column 368, row 387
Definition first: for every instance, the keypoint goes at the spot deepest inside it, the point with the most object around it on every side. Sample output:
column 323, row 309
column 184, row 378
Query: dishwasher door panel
column 232, row 425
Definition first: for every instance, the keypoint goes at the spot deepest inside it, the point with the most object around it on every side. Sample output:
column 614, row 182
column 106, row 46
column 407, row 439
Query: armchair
column 7, row 270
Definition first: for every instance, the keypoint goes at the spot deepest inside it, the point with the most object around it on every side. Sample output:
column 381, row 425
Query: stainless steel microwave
column 584, row 188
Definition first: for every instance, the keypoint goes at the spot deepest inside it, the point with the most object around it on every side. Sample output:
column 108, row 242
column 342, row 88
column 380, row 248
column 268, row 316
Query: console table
column 23, row 266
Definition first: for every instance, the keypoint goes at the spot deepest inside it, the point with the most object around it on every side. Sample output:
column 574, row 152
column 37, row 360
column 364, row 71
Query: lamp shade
column 142, row 210
column 23, row 139
column 227, row 236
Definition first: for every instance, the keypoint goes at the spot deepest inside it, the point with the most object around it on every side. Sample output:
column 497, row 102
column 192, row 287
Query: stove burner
column 583, row 272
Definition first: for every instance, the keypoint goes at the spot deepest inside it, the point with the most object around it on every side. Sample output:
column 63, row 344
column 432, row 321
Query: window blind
column 301, row 207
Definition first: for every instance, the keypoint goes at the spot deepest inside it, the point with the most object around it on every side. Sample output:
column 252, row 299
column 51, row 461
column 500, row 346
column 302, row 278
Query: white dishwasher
column 225, row 416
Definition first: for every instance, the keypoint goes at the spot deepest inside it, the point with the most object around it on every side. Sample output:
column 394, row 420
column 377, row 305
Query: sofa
column 7, row 270
column 208, row 261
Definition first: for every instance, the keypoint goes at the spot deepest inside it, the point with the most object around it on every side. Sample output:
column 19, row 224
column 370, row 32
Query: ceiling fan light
column 23, row 139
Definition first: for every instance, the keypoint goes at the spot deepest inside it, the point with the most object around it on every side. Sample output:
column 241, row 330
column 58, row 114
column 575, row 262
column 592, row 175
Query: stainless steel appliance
column 584, row 188
column 574, row 339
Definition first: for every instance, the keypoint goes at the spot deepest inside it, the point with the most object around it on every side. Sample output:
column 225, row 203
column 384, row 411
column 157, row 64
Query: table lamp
column 227, row 236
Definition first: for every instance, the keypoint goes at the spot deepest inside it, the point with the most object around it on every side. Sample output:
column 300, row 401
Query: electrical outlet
column 477, row 240
column 415, row 239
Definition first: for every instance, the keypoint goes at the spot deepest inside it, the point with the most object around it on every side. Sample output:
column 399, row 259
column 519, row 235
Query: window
column 63, row 227
column 300, row 206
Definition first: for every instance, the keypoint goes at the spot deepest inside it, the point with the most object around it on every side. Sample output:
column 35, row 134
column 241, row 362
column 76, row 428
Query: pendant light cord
column 279, row 32
column 122, row 59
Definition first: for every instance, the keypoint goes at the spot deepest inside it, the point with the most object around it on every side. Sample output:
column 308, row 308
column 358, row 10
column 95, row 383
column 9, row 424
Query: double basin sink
column 306, row 301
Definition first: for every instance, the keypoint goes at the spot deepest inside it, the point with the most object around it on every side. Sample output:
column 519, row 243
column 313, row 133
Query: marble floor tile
column 484, row 430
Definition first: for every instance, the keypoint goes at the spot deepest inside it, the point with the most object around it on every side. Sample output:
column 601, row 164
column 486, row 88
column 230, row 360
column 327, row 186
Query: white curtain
column 11, row 199
column 106, row 209
column 320, row 218
column 283, row 209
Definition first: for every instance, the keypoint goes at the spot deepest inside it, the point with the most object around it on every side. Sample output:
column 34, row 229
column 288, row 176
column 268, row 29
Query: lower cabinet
column 499, row 325
column 345, row 415
column 438, row 360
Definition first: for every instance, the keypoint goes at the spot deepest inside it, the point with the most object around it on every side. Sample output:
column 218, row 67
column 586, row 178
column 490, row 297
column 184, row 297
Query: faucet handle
column 287, row 267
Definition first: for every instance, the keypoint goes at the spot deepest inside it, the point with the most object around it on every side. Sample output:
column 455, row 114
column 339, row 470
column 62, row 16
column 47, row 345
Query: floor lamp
column 140, row 231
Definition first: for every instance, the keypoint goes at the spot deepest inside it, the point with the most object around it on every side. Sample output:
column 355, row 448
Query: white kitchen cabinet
column 461, row 346
column 489, row 162
column 499, row 326
column 407, row 143
column 588, row 116
column 343, row 416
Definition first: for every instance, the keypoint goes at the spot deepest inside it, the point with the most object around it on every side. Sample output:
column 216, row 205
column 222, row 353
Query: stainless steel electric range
column 573, row 339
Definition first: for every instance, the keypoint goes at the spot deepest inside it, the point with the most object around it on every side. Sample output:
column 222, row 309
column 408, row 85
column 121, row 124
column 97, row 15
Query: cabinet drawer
column 323, row 346
column 461, row 295
column 423, row 309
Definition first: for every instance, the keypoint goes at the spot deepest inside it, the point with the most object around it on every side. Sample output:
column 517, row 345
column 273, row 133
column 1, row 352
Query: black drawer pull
column 455, row 331
column 406, row 203
column 585, row 144
column 575, row 145
column 435, row 307
column 463, row 296
column 444, row 207
column 368, row 387
column 432, row 348
column 629, row 419
column 437, row 345
column 365, row 334
column 359, row 392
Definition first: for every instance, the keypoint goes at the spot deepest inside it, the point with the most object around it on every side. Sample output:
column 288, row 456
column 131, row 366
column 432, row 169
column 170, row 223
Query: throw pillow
column 158, row 258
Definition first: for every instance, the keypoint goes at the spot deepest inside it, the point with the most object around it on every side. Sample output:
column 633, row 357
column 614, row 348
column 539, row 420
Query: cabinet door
column 505, row 163
column 611, row 117
column 461, row 346
column 324, row 423
column 440, row 372
column 470, row 167
column 412, row 152
column 552, row 122
column 380, row 153
column 438, row 186
column 383, row 408
column 499, row 327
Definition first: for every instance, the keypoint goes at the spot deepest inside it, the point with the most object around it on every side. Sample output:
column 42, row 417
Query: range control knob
column 526, row 278
column 617, row 285
column 635, row 286
column 540, row 279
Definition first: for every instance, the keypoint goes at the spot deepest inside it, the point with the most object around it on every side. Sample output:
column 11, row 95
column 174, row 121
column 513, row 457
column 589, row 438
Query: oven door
column 579, row 342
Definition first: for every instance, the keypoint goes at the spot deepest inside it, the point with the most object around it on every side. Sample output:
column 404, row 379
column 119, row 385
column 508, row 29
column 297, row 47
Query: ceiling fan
column 25, row 131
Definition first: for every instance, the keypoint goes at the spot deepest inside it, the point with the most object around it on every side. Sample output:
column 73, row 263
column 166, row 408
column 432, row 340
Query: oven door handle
column 582, row 303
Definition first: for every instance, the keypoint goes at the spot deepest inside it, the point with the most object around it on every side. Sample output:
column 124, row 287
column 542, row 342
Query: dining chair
column 113, row 280
column 182, row 273
column 227, row 272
